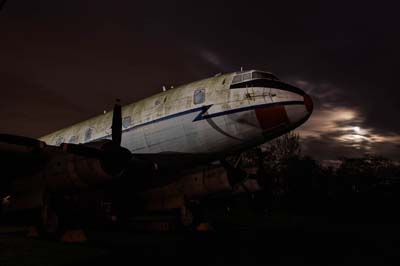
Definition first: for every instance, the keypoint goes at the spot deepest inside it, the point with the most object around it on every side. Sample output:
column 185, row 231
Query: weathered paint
column 171, row 122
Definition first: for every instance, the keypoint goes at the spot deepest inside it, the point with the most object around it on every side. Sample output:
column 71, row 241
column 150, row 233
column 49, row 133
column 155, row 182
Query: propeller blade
column 116, row 126
column 235, row 174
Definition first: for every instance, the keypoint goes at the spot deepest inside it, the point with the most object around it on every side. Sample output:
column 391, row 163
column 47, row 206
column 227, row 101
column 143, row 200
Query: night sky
column 65, row 61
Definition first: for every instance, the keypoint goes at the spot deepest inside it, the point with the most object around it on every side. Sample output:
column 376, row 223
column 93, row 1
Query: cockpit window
column 246, row 76
column 252, row 75
column 266, row 83
column 252, row 79
column 237, row 78
column 263, row 75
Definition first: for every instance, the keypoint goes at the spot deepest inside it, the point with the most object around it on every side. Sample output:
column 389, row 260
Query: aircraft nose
column 272, row 117
column 291, row 112
column 299, row 113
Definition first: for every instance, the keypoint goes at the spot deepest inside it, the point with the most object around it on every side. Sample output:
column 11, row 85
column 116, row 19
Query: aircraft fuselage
column 221, row 114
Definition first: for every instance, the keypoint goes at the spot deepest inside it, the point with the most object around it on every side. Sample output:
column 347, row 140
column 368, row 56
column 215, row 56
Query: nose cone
column 299, row 113
column 273, row 117
column 291, row 112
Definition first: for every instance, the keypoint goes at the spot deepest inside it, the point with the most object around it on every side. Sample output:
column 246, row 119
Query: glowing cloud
column 341, row 128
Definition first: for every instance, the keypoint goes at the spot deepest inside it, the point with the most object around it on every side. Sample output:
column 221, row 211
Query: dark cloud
column 86, row 53
column 27, row 107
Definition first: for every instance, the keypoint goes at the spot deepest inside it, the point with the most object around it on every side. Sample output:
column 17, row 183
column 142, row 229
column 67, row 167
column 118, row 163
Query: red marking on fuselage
column 272, row 117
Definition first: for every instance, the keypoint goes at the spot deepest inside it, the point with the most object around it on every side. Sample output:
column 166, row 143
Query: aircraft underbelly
column 183, row 134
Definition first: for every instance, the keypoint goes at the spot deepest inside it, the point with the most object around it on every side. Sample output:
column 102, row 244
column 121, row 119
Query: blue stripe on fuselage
column 203, row 115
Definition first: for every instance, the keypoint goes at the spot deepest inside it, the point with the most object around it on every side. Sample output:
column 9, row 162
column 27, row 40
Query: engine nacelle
column 81, row 166
column 70, row 171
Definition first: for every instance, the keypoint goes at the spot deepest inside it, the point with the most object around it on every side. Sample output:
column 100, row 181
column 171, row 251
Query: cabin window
column 126, row 122
column 59, row 141
column 88, row 134
column 199, row 96
column 73, row 140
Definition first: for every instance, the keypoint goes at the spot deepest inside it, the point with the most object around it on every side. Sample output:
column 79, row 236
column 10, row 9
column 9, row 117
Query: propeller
column 116, row 157
column 113, row 157
column 116, row 126
column 119, row 159
column 239, row 177
column 236, row 175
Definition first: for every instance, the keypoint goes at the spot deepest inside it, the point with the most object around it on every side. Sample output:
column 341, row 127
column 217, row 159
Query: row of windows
column 126, row 122
column 75, row 139
column 199, row 97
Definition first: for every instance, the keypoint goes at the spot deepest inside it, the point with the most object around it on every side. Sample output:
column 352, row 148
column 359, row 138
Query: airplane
column 160, row 149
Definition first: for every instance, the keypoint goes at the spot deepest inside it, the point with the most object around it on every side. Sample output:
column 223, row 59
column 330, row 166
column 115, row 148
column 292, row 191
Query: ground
column 245, row 240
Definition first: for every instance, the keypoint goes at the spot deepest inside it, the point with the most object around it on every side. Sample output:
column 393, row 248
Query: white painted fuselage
column 220, row 114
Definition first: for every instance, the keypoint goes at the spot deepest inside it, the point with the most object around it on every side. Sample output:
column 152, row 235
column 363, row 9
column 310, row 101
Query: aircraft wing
column 31, row 168
column 72, row 166
column 19, row 156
